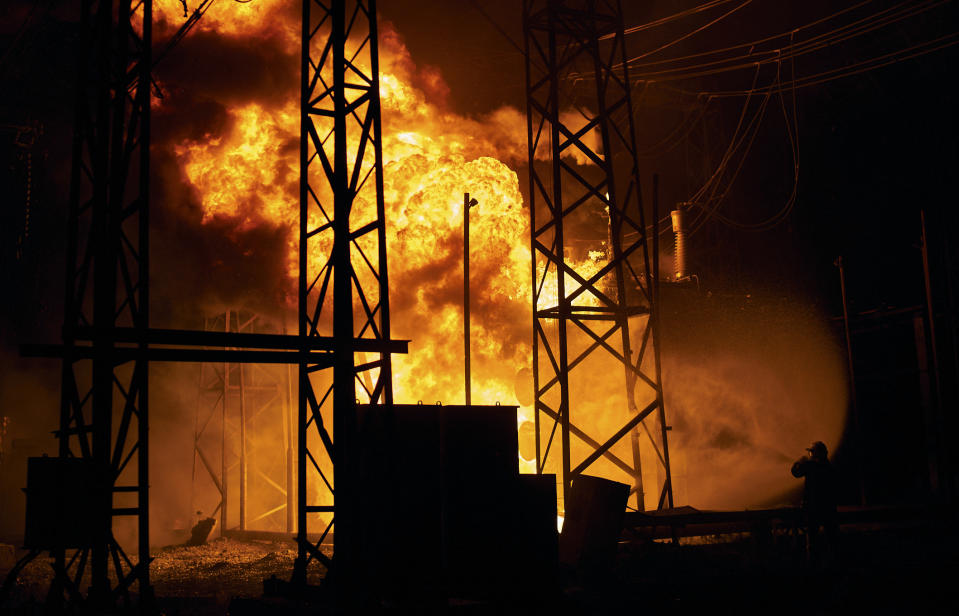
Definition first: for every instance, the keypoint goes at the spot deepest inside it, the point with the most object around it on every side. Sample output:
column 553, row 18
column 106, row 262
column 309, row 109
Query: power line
column 664, row 20
column 693, row 32
column 818, row 42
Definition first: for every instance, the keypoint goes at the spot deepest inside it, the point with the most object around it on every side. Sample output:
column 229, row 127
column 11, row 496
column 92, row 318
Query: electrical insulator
column 679, row 231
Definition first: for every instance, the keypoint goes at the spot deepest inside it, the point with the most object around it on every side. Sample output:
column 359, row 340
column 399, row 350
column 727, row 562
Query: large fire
column 247, row 174
column 432, row 156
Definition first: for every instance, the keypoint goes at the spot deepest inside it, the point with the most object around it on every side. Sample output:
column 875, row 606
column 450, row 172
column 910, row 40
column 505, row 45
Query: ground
column 886, row 571
column 197, row 580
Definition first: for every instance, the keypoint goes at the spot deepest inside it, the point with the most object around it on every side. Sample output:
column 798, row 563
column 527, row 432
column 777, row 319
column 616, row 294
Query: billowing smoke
column 226, row 162
column 748, row 387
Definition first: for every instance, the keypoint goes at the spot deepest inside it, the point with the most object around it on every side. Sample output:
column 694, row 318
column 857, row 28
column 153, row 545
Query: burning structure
column 382, row 162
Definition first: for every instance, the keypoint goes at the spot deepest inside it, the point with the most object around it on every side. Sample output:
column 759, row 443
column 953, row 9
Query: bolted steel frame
column 343, row 283
column 235, row 400
column 592, row 311
column 108, row 343
column 104, row 408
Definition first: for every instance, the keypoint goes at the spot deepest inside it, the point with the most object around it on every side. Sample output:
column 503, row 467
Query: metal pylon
column 582, row 319
column 242, row 444
column 343, row 275
column 107, row 341
column 103, row 415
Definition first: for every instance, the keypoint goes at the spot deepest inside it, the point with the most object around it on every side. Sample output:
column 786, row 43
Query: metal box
column 60, row 505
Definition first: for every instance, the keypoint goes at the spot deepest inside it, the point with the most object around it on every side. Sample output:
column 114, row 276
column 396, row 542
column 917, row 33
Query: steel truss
column 103, row 414
column 342, row 265
column 107, row 341
column 582, row 319
column 240, row 408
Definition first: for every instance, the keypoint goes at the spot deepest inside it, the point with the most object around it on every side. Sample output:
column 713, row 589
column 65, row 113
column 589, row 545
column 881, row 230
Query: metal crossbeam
column 582, row 321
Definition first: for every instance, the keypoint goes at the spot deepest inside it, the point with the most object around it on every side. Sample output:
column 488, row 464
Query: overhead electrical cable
column 694, row 32
column 708, row 198
column 857, row 68
column 767, row 56
column 792, row 131
column 664, row 20
column 761, row 41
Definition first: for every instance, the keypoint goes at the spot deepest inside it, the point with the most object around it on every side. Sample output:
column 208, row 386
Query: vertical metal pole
column 303, row 375
column 288, row 418
column 243, row 460
column 224, row 467
column 657, row 344
column 466, row 292
column 104, row 234
column 559, row 248
column 614, row 230
column 112, row 134
column 344, row 401
column 386, row 370
column 852, row 380
column 534, row 276
column 71, row 308
column 143, row 425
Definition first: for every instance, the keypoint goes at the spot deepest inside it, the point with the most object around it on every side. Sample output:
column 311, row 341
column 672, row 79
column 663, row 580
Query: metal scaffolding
column 582, row 160
column 244, row 423
column 103, row 415
column 107, row 341
column 343, row 286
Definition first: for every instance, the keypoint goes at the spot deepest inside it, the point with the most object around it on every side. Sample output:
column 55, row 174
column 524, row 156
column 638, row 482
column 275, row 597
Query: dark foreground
column 907, row 570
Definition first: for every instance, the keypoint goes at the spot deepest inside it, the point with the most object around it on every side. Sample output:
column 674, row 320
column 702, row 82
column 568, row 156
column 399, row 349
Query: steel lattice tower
column 243, row 446
column 103, row 415
column 343, row 286
column 107, row 341
column 578, row 87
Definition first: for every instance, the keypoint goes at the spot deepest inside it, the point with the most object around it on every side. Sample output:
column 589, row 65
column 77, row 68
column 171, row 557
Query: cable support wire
column 754, row 43
column 670, row 18
column 894, row 57
column 709, row 197
column 712, row 64
column 705, row 198
column 711, row 194
column 184, row 29
column 692, row 33
column 819, row 42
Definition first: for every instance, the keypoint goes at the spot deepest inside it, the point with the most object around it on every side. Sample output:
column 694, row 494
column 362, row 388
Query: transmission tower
column 107, row 341
column 343, row 286
column 582, row 319
column 103, row 416
column 243, row 448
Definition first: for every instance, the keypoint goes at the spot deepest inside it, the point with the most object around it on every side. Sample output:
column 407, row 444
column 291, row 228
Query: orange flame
column 248, row 175
column 432, row 156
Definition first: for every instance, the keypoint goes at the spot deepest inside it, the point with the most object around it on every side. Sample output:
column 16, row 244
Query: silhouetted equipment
column 243, row 443
column 460, row 520
column 536, row 551
column 678, row 216
column 575, row 58
column 60, row 512
column 104, row 391
column 201, row 531
column 340, row 153
column 107, row 340
column 593, row 523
